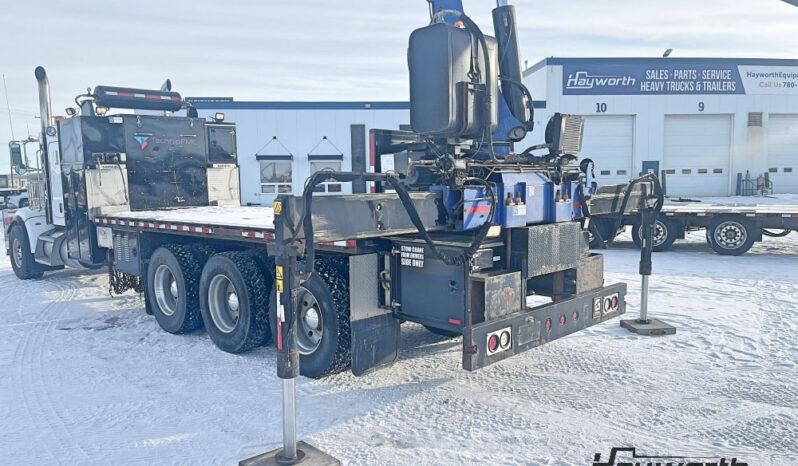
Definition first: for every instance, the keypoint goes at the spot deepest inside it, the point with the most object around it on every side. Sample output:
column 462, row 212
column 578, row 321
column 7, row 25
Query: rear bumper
column 540, row 325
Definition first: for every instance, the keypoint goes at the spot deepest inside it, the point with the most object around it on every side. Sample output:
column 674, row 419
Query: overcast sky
column 333, row 49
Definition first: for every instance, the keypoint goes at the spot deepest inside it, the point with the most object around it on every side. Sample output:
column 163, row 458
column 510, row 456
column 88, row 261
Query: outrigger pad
column 652, row 327
column 306, row 455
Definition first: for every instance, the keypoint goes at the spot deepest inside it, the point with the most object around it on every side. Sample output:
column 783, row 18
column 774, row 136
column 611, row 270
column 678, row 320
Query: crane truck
column 458, row 236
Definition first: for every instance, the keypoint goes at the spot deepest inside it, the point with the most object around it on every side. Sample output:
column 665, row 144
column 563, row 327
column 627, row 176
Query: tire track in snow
column 54, row 435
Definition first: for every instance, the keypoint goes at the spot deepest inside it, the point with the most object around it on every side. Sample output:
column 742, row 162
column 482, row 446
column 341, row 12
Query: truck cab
column 97, row 162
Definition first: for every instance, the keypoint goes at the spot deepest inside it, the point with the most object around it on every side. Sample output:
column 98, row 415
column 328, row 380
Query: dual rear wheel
column 233, row 295
column 227, row 292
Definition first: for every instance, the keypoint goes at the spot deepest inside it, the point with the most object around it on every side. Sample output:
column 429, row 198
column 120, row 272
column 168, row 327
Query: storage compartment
column 495, row 295
column 543, row 249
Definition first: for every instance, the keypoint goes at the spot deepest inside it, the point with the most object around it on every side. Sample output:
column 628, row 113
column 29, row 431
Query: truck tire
column 23, row 203
column 731, row 235
column 665, row 233
column 323, row 333
column 25, row 267
column 234, row 301
column 172, row 288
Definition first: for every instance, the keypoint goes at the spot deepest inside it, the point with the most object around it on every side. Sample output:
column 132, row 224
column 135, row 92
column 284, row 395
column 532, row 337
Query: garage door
column 696, row 155
column 782, row 152
column 609, row 141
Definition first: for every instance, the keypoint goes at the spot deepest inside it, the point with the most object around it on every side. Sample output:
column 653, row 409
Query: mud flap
column 374, row 330
column 375, row 343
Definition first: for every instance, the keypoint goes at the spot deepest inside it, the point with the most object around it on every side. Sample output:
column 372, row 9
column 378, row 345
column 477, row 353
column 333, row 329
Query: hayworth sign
column 674, row 76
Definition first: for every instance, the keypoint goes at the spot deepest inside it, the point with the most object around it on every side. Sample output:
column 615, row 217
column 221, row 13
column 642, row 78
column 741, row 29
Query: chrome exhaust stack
column 45, row 108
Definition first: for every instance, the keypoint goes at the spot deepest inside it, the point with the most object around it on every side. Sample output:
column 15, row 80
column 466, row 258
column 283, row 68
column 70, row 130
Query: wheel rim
column 659, row 234
column 730, row 235
column 166, row 290
column 16, row 247
column 223, row 303
column 311, row 323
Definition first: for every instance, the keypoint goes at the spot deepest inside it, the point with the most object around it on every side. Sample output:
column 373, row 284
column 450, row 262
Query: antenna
column 8, row 106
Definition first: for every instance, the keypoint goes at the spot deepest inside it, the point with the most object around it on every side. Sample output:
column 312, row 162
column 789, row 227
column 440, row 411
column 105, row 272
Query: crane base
column 651, row 327
column 306, row 455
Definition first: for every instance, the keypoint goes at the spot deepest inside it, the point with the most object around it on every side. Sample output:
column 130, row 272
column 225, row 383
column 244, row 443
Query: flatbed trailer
column 731, row 228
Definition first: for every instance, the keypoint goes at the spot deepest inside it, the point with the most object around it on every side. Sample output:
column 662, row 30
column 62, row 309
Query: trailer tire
column 330, row 290
column 731, row 235
column 22, row 261
column 234, row 297
column 172, row 288
column 605, row 227
column 665, row 233
column 442, row 332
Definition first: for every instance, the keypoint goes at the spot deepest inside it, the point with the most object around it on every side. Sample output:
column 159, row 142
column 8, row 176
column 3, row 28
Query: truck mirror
column 16, row 154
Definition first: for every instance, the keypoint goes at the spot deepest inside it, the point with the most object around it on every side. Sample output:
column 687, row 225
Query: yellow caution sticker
column 278, row 207
column 279, row 272
column 279, row 286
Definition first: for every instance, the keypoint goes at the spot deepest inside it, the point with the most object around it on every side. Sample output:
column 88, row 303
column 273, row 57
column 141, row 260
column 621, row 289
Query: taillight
column 500, row 340
column 493, row 343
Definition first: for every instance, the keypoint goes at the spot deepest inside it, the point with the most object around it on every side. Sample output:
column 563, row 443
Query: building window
column 275, row 176
column 606, row 173
column 717, row 171
column 319, row 165
column 702, row 171
column 621, row 172
column 787, row 169
column 670, row 172
column 773, row 170
column 686, row 171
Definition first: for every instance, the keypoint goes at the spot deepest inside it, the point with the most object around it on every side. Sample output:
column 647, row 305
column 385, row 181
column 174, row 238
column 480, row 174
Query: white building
column 701, row 121
column 281, row 143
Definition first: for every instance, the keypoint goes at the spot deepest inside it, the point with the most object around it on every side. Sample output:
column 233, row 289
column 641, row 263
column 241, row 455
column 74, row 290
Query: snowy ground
column 89, row 379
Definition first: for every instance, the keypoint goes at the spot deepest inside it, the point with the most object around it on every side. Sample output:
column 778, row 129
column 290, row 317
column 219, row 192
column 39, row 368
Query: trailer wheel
column 605, row 228
column 234, row 297
column 25, row 267
column 172, row 288
column 323, row 333
column 731, row 235
column 665, row 233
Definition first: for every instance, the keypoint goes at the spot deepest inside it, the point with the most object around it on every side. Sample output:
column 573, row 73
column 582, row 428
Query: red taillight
column 614, row 302
column 576, row 315
column 562, row 320
column 548, row 324
column 493, row 343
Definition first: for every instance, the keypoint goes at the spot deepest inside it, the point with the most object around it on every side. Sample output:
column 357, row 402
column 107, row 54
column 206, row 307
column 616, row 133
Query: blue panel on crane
column 439, row 5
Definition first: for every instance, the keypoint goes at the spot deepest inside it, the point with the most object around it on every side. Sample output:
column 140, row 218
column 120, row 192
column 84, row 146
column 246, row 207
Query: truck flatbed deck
column 235, row 222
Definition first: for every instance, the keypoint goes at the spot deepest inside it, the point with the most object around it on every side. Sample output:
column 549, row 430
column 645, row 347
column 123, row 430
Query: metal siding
column 299, row 130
